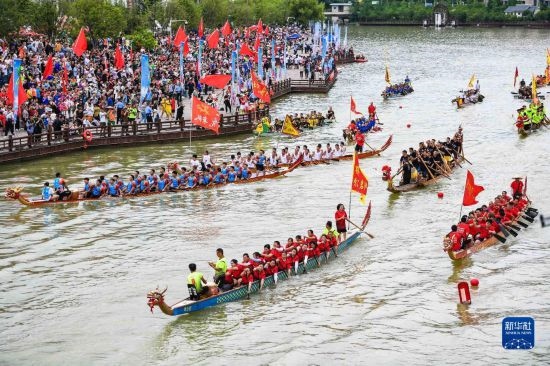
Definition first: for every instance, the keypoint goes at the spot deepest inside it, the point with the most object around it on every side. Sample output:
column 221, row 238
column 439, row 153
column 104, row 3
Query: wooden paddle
column 455, row 161
column 500, row 238
column 530, row 219
column 503, row 229
column 522, row 223
column 425, row 166
column 441, row 171
column 515, row 227
column 511, row 231
column 360, row 230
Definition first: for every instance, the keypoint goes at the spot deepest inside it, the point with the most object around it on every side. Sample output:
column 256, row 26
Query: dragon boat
column 16, row 193
column 363, row 155
column 493, row 240
column 186, row 306
column 462, row 102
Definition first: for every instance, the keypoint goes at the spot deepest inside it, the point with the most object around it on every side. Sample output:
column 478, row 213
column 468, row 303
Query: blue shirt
column 96, row 191
column 161, row 183
column 175, row 182
column 112, row 190
column 56, row 184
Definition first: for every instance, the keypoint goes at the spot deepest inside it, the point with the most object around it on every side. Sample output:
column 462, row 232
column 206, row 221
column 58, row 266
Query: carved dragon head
column 13, row 193
column 155, row 297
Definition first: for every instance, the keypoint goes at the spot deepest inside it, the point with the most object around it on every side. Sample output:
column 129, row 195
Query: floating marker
column 440, row 195
column 408, row 125
column 474, row 282
column 464, row 293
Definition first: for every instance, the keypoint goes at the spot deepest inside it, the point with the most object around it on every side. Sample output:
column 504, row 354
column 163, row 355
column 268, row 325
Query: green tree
column 143, row 38
column 103, row 18
column 214, row 12
column 305, row 10
column 13, row 14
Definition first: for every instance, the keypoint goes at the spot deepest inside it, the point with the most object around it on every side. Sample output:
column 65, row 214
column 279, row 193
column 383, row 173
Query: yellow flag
column 288, row 128
column 388, row 79
column 534, row 90
column 548, row 56
column 471, row 82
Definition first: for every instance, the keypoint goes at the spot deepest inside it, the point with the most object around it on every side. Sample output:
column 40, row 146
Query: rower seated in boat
column 330, row 113
column 196, row 280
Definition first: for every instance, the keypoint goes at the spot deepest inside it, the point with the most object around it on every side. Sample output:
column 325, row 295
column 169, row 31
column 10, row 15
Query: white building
column 339, row 11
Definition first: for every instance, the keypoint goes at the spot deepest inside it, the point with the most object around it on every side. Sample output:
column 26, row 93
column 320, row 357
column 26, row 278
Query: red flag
column 80, row 44
column 516, row 76
column 21, row 92
column 179, row 37
column 48, row 69
column 65, row 77
column 257, row 42
column 259, row 27
column 260, row 89
column 359, row 181
column 246, row 51
column 470, row 190
column 266, row 31
column 213, row 39
column 217, row 81
column 201, row 28
column 205, row 116
column 119, row 58
column 353, row 107
column 226, row 29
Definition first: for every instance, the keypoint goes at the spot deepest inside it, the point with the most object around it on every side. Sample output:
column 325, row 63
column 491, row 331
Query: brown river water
column 74, row 277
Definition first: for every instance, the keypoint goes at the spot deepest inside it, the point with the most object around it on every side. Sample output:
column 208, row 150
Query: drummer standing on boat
column 340, row 217
column 220, row 267
column 517, row 187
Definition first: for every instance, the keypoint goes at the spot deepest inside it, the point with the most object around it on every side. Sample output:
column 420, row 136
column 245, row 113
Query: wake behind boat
column 265, row 269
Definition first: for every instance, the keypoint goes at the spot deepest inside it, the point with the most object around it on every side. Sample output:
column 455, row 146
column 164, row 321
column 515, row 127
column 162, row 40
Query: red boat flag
column 180, row 36
column 201, row 28
column 260, row 89
column 48, row 69
column 21, row 93
column 354, row 107
column 471, row 190
column 359, row 181
column 213, row 39
column 119, row 58
column 205, row 116
column 246, row 51
column 516, row 76
column 226, row 29
column 80, row 44
column 217, row 81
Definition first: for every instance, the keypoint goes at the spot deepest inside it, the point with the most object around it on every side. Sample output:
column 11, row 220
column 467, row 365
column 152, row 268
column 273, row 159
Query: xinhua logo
column 518, row 333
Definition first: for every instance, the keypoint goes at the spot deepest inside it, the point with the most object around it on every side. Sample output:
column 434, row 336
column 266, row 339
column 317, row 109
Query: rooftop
column 520, row 8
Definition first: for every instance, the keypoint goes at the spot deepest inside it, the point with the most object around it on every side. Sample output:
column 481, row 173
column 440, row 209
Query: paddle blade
column 530, row 219
column 515, row 227
column 504, row 231
column 522, row 223
column 500, row 238
column 512, row 232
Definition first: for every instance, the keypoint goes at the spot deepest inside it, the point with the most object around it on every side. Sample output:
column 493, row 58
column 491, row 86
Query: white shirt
column 206, row 160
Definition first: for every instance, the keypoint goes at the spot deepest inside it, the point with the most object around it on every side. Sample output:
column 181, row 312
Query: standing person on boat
column 220, row 267
column 406, row 166
column 372, row 109
column 359, row 141
column 207, row 160
column 517, row 187
column 340, row 216
column 197, row 280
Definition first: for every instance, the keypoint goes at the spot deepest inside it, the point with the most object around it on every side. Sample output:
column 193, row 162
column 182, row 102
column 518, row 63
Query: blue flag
column 16, row 69
column 260, row 63
column 145, row 77
column 199, row 59
column 273, row 56
column 181, row 63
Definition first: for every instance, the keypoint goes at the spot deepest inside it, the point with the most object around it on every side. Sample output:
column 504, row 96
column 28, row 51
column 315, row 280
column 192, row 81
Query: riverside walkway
column 21, row 147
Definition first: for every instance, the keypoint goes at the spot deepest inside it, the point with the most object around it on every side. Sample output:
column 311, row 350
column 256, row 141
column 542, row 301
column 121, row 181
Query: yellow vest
column 195, row 278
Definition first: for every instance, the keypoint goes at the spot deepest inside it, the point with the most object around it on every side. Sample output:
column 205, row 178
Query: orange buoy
column 474, row 282
column 464, row 293
column 408, row 125
column 440, row 195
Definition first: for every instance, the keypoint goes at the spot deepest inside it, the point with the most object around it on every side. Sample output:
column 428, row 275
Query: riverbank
column 533, row 25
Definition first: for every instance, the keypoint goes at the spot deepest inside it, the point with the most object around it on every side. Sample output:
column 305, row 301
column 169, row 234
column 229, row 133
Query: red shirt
column 455, row 240
column 245, row 280
column 483, row 232
column 372, row 109
column 311, row 239
column 517, row 186
column 359, row 138
column 277, row 254
column 340, row 217
column 463, row 229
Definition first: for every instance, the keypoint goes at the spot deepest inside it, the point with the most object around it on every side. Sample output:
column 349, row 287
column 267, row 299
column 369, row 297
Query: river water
column 74, row 277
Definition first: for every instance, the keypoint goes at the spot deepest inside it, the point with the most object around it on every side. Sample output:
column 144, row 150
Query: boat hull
column 461, row 254
column 242, row 292
column 418, row 185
